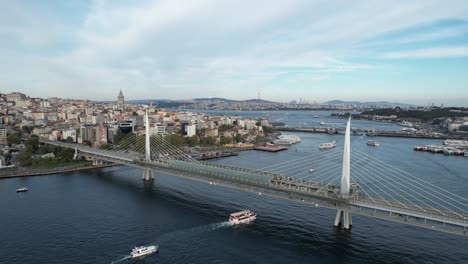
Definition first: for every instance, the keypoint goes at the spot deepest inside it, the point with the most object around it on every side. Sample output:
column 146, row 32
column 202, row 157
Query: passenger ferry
column 140, row 251
column 373, row 143
column 287, row 140
column 24, row 189
column 242, row 217
column 327, row 145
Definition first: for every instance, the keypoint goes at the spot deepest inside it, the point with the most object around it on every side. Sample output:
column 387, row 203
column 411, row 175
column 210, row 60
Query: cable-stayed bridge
column 360, row 185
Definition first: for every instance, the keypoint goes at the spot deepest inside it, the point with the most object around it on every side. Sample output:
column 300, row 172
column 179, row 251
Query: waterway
column 303, row 118
column 98, row 216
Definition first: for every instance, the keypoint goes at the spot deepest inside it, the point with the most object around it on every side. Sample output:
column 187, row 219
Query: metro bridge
column 385, row 192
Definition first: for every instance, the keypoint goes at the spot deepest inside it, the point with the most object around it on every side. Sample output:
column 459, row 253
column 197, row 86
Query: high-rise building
column 120, row 99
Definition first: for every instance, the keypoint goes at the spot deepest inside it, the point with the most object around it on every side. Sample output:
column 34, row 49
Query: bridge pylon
column 343, row 213
column 147, row 173
column 75, row 156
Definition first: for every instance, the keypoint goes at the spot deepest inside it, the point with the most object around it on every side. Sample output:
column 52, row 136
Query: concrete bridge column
column 343, row 216
column 97, row 162
column 75, row 156
column 147, row 175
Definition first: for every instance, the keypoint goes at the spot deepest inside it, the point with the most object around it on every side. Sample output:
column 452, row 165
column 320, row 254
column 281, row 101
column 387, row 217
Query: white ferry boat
column 24, row 189
column 456, row 143
column 287, row 140
column 242, row 217
column 373, row 143
column 327, row 145
column 140, row 251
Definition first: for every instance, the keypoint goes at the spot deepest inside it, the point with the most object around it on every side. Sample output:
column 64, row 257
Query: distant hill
column 217, row 99
column 166, row 103
column 379, row 103
column 163, row 103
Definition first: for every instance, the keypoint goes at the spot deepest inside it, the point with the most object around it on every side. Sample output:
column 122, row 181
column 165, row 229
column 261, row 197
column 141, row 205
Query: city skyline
column 408, row 52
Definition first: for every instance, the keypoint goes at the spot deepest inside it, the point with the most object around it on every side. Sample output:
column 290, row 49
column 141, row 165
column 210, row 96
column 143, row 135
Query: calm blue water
column 304, row 118
column 98, row 216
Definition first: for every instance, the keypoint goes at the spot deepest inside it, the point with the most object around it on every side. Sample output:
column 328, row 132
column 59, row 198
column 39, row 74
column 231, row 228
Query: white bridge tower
column 343, row 214
column 147, row 174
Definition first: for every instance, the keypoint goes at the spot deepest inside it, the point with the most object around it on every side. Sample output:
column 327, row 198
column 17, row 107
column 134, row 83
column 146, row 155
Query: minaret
column 120, row 100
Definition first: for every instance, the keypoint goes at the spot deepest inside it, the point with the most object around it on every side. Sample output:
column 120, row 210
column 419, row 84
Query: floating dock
column 270, row 148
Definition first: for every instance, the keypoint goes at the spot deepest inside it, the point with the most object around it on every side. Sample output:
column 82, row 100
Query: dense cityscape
column 102, row 125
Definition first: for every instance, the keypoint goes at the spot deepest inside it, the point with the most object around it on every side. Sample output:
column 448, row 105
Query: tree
column 192, row 141
column 267, row 130
column 66, row 154
column 223, row 128
column 106, row 146
column 225, row 140
column 118, row 136
column 69, row 140
column 32, row 144
column 25, row 158
column 175, row 139
column 203, row 131
column 13, row 139
column 238, row 138
column 259, row 139
column 208, row 140
column 26, row 129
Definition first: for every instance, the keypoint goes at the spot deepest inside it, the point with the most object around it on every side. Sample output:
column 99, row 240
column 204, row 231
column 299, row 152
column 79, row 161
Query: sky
column 401, row 51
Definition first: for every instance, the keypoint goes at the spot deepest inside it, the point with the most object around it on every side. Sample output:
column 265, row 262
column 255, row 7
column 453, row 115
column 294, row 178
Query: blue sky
column 405, row 51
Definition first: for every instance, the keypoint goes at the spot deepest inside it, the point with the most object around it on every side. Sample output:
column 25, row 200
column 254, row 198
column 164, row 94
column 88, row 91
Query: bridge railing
column 411, row 210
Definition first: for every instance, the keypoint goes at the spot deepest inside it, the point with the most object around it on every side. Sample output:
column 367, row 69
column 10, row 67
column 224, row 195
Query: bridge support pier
column 97, row 162
column 75, row 156
column 147, row 175
column 343, row 216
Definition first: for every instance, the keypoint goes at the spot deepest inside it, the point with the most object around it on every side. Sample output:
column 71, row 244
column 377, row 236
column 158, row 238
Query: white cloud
column 441, row 52
column 203, row 46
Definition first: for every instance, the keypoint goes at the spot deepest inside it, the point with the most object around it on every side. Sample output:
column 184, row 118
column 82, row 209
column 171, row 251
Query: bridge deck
column 286, row 187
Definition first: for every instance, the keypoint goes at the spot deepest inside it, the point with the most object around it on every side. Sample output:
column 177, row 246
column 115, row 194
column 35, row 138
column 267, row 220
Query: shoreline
column 64, row 170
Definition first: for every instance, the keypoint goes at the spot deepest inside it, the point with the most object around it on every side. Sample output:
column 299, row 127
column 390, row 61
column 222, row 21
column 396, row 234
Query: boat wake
column 120, row 260
column 193, row 231
column 165, row 238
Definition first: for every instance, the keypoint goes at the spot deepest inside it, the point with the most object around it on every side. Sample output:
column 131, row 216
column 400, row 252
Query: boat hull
column 149, row 250
column 242, row 221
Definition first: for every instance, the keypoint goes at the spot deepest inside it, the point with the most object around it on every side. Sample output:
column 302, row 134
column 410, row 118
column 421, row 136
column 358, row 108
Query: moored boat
column 242, row 217
column 140, row 251
column 327, row 145
column 373, row 143
column 287, row 140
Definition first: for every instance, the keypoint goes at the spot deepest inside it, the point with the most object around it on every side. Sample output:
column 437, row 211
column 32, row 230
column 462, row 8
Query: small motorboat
column 141, row 251
column 311, row 170
column 23, row 189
